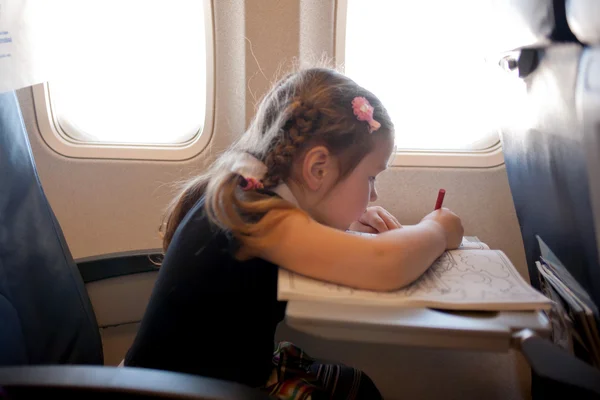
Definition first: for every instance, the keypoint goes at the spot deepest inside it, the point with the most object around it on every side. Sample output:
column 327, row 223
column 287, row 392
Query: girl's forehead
column 382, row 152
column 378, row 158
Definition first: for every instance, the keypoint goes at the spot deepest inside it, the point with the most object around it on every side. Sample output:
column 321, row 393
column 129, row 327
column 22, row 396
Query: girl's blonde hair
column 304, row 109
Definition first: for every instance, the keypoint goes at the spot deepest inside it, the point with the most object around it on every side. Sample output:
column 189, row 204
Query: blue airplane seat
column 46, row 315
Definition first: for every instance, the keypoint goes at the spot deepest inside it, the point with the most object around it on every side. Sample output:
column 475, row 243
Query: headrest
column 584, row 20
column 517, row 24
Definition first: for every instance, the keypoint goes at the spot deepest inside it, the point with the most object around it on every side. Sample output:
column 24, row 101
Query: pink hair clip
column 250, row 184
column 364, row 112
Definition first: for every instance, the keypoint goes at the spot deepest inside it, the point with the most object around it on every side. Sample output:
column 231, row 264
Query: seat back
column 547, row 150
column 551, row 146
column 584, row 20
column 45, row 312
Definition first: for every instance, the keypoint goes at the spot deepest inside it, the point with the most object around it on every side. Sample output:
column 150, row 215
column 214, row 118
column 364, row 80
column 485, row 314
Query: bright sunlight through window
column 135, row 72
column 426, row 61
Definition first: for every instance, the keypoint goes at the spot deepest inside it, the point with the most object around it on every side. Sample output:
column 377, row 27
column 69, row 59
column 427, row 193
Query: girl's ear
column 317, row 167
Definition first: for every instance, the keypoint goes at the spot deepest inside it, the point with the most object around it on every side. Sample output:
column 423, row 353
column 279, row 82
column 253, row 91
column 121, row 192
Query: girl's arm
column 388, row 261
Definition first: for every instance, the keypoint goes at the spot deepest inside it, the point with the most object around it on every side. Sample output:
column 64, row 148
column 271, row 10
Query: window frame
column 489, row 157
column 63, row 143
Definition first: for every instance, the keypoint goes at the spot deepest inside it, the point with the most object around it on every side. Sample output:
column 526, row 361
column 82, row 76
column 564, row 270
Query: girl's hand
column 451, row 225
column 375, row 220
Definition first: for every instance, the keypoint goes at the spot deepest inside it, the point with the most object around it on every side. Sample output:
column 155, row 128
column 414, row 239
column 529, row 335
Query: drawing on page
column 482, row 275
column 479, row 262
column 428, row 283
column 469, row 275
column 456, row 276
column 444, row 263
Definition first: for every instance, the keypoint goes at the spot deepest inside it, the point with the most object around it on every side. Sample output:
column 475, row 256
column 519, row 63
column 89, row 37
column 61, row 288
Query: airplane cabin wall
column 107, row 206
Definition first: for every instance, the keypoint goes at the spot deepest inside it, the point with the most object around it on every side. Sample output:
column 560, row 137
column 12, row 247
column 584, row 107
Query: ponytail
column 179, row 207
column 226, row 205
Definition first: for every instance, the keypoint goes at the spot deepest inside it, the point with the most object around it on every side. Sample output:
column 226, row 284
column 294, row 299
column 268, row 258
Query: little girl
column 282, row 197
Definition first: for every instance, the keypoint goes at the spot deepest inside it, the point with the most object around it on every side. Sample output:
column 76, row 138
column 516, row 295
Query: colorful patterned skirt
column 296, row 376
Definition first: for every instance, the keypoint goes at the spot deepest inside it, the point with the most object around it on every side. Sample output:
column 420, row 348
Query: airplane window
column 426, row 60
column 136, row 73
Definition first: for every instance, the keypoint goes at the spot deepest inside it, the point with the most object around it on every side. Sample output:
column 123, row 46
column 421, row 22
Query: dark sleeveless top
column 209, row 314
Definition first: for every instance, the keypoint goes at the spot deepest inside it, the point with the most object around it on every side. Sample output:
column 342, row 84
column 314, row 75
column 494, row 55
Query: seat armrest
column 118, row 264
column 77, row 382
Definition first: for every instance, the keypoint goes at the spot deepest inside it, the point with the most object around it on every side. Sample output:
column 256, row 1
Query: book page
column 458, row 279
column 472, row 242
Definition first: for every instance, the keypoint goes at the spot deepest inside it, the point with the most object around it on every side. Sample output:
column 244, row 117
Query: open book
column 472, row 277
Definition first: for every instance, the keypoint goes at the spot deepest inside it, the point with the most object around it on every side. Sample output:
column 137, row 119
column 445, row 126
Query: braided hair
column 303, row 123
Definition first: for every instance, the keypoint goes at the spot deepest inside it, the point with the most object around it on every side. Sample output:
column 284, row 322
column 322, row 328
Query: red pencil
column 440, row 199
